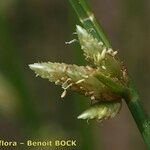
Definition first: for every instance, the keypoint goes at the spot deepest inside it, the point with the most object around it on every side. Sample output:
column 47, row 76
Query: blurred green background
column 36, row 31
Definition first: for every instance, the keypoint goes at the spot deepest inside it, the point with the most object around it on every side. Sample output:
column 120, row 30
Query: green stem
column 132, row 99
column 89, row 21
column 141, row 118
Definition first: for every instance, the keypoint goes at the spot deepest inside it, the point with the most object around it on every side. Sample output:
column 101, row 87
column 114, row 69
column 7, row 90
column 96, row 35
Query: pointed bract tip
column 35, row 66
column 80, row 29
column 84, row 115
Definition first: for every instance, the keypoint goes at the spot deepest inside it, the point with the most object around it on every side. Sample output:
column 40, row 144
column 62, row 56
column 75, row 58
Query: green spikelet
column 101, row 111
column 77, row 78
column 94, row 51
column 99, row 55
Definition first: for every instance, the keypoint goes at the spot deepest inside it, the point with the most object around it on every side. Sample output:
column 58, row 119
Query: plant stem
column 141, row 118
column 89, row 21
column 132, row 99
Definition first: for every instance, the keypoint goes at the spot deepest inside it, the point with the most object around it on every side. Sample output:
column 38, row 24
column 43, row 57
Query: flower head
column 83, row 79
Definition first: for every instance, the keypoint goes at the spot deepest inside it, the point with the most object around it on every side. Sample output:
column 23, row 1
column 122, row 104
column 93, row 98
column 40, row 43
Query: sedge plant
column 105, row 80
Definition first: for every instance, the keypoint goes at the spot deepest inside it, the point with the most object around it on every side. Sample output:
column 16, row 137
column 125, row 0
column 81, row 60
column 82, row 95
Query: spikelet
column 94, row 51
column 76, row 78
column 101, row 111
column 99, row 55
